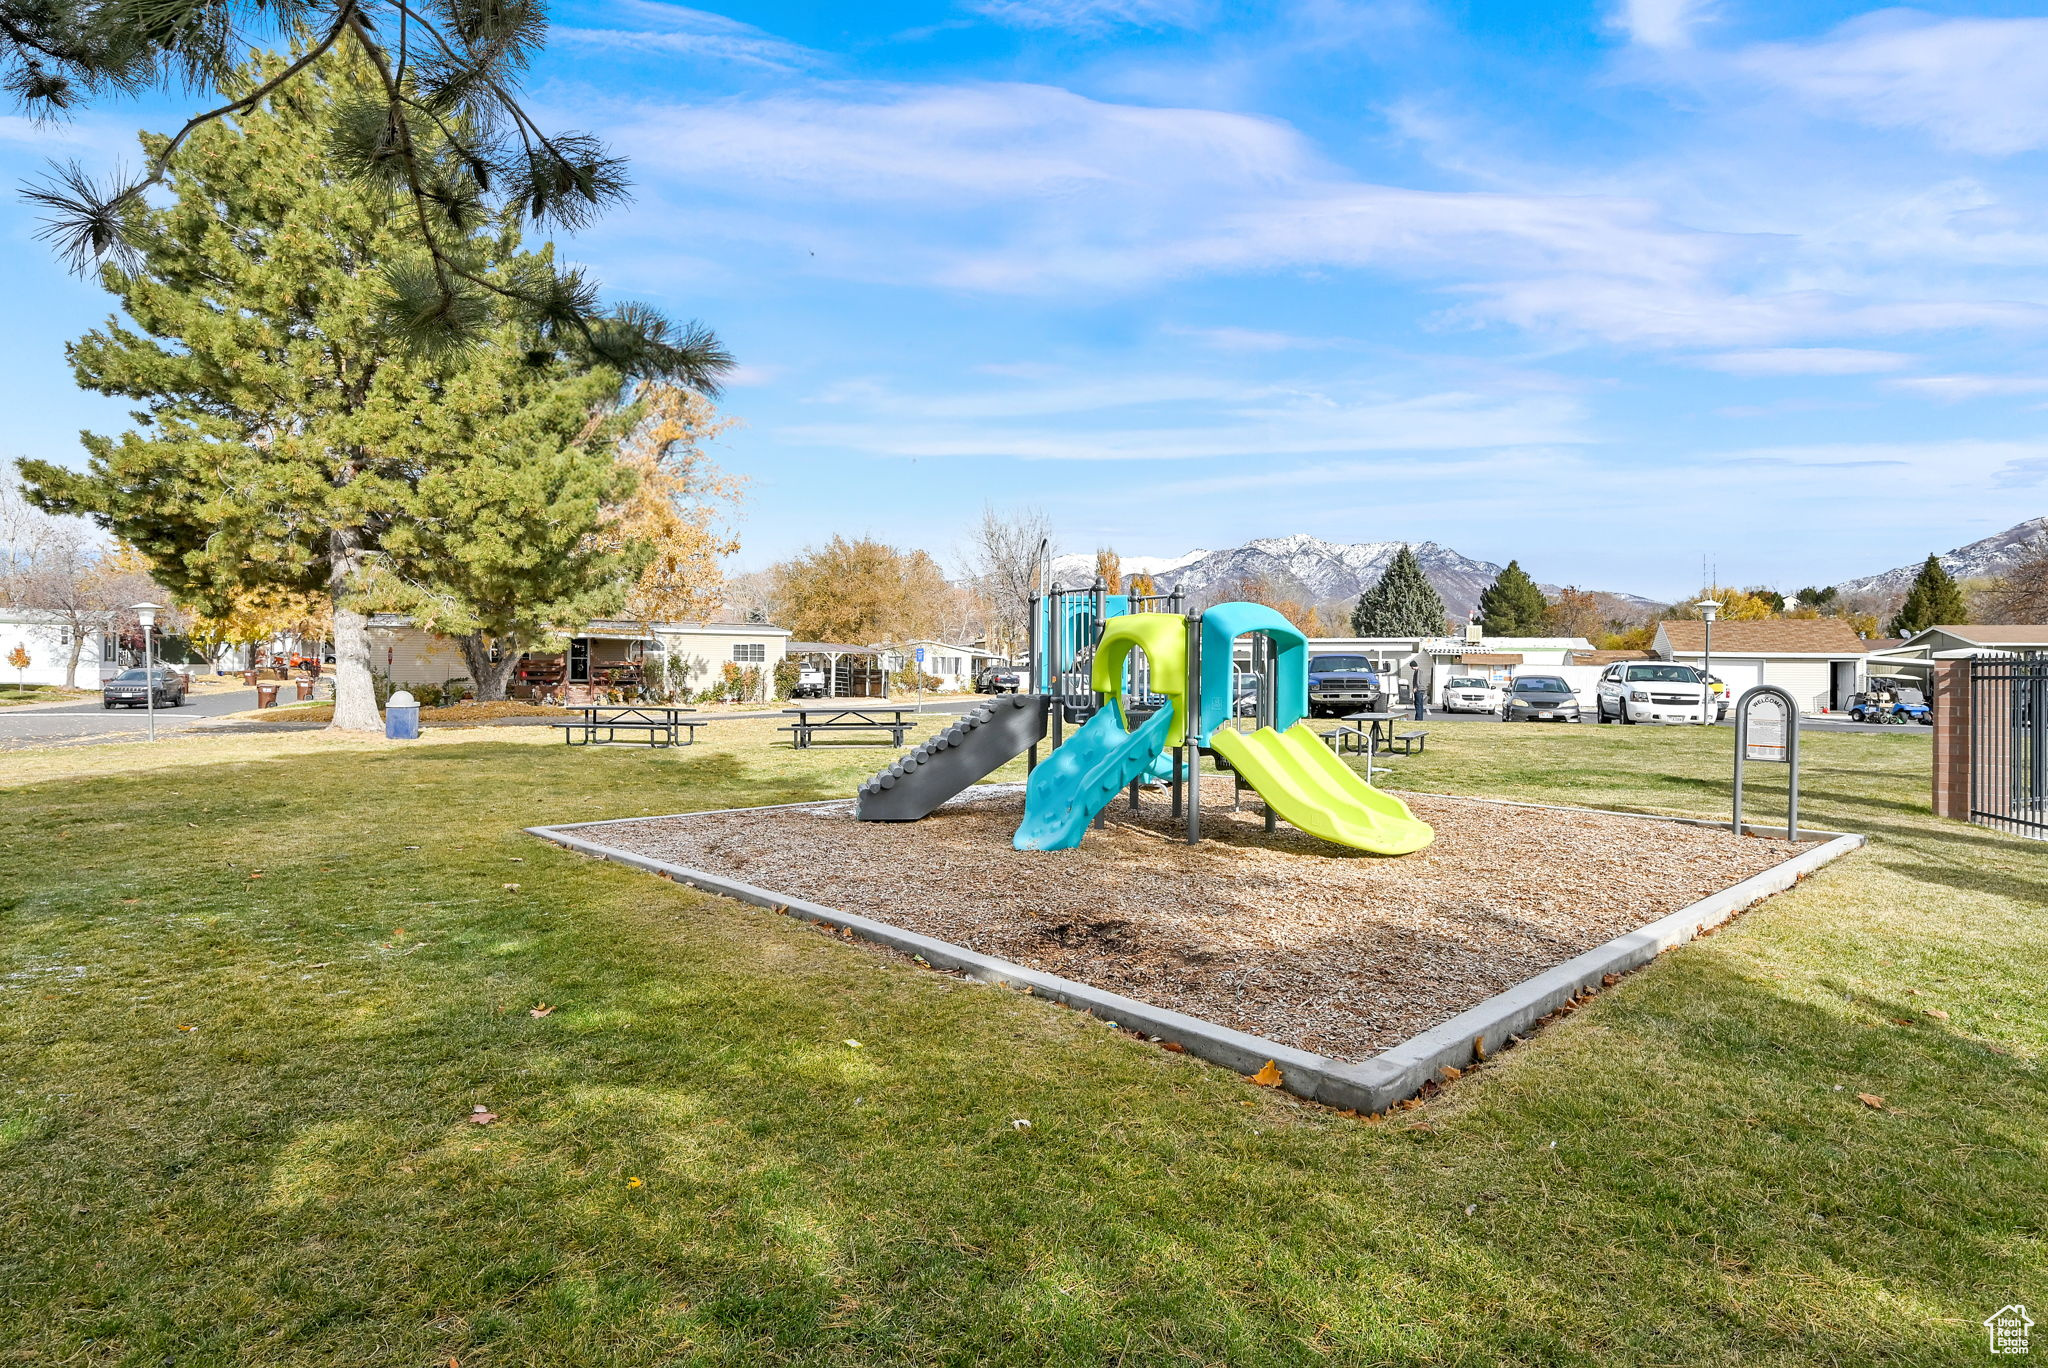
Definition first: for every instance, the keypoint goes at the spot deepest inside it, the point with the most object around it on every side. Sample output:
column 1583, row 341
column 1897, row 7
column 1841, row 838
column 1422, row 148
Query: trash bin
column 402, row 717
column 249, row 676
column 305, row 689
column 266, row 695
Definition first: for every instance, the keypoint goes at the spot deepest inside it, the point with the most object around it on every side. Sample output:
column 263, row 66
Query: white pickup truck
column 1633, row 691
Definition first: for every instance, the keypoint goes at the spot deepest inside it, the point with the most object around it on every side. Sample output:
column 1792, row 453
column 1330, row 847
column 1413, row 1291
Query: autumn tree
column 1141, row 585
column 676, row 510
column 286, row 438
column 1575, row 612
column 1737, row 605
column 1403, row 603
column 261, row 614
column 1934, row 600
column 861, row 592
column 1109, row 569
column 1006, row 555
column 1512, row 605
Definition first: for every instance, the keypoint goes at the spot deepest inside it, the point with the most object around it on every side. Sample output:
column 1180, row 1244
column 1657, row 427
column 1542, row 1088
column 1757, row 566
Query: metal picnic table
column 656, row 726
column 843, row 718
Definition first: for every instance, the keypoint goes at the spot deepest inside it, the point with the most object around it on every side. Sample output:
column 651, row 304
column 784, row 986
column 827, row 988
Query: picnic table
column 653, row 726
column 1376, row 735
column 810, row 721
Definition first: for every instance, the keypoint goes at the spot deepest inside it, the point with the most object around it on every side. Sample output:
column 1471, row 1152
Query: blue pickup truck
column 1339, row 684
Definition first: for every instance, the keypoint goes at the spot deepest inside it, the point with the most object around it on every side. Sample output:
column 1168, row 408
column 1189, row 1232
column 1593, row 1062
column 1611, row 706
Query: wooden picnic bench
column 810, row 721
column 643, row 726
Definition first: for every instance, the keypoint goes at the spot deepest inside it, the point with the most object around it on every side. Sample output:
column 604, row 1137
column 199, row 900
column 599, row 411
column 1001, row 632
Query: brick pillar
column 1952, row 739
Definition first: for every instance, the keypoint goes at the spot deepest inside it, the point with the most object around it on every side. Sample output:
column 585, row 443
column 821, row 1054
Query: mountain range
column 1993, row 556
column 1320, row 571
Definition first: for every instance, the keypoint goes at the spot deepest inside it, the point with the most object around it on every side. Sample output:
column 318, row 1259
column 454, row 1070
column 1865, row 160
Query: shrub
column 785, row 677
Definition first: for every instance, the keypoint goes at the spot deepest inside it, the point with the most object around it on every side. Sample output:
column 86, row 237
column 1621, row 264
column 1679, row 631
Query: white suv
column 1471, row 693
column 1650, row 691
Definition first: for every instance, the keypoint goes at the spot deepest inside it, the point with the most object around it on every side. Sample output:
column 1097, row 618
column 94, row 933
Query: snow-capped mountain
column 1319, row 571
column 1993, row 556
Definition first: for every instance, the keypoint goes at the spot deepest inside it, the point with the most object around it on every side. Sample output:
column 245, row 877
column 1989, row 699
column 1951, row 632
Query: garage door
column 1739, row 674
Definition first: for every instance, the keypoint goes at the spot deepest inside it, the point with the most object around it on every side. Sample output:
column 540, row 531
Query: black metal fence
column 2009, row 743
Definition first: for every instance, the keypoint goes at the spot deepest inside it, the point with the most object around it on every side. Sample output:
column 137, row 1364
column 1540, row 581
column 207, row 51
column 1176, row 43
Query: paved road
column 88, row 723
column 1809, row 724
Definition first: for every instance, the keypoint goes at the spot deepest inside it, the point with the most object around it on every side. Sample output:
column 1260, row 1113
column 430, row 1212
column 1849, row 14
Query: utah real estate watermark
column 2008, row 1327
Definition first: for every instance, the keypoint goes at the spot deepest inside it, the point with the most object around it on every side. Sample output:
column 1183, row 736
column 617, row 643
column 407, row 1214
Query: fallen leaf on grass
column 512, row 888
column 851, row 1044
column 634, row 1182
column 188, row 1028
column 480, row 1115
column 130, row 902
column 257, row 875
column 1451, row 1074
column 1871, row 1100
column 1936, row 1013
column 1020, row 1123
column 539, row 1009
column 1173, row 1047
column 1269, row 1076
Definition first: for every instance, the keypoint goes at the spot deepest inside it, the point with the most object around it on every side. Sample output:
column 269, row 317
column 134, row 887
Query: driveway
column 87, row 723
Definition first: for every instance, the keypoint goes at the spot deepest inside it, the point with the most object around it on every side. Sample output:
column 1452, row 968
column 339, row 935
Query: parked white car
column 1471, row 693
column 1651, row 691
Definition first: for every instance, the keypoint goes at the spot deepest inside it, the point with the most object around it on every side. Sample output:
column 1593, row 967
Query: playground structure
column 1150, row 690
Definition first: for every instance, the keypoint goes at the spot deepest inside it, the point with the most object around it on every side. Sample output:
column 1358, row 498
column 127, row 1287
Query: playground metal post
column 1194, row 728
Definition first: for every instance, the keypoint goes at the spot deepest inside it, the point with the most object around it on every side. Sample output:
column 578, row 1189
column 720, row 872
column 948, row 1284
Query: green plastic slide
column 1312, row 789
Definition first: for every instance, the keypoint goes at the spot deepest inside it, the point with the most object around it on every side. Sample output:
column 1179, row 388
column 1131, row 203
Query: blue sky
column 1603, row 287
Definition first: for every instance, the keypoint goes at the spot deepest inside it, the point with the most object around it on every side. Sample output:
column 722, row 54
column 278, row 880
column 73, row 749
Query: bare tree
column 2020, row 595
column 1006, row 555
column 60, row 570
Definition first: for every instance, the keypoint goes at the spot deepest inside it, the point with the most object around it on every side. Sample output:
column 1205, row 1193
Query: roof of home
column 1609, row 657
column 832, row 648
column 1488, row 658
column 1771, row 636
column 1994, row 634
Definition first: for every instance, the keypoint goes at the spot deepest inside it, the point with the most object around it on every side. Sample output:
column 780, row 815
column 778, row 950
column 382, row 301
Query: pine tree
column 288, row 436
column 441, row 128
column 1934, row 600
column 508, row 531
column 1512, row 605
column 1403, row 603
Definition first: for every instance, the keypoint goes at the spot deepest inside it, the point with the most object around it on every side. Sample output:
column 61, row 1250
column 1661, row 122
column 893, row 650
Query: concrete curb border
column 1372, row 1085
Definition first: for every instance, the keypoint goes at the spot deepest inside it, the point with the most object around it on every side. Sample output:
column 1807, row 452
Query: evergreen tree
column 1512, row 605
column 288, row 437
column 506, row 536
column 441, row 128
column 1403, row 603
column 1933, row 600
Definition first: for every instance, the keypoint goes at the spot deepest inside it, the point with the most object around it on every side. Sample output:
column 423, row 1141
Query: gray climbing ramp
column 970, row 750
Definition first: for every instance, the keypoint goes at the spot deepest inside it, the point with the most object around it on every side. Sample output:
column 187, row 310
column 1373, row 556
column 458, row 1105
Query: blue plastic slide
column 1089, row 769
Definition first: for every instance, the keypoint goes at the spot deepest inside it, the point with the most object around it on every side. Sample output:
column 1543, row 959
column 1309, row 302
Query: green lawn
column 690, row 1165
column 10, row 695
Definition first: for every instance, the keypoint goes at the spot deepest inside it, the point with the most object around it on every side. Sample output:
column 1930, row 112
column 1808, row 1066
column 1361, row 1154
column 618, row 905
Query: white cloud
column 1262, row 425
column 1661, row 23
column 648, row 26
column 1093, row 16
column 1806, row 361
column 1231, row 339
column 1954, row 388
column 1029, row 189
column 1972, row 85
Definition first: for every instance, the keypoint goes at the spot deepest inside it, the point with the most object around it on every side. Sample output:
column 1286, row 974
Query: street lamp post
column 1709, row 609
column 145, row 613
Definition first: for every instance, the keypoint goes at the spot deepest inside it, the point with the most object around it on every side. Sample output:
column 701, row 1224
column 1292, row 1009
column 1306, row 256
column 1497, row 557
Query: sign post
column 920, row 679
column 1767, row 729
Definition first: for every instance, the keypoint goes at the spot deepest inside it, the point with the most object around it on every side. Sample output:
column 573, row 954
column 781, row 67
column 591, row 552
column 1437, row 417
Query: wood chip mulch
column 1282, row 935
